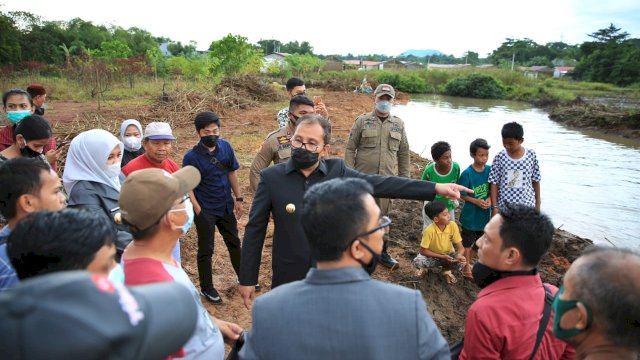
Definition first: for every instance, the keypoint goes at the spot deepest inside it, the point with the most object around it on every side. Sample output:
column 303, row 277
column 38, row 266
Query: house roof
column 565, row 68
column 364, row 62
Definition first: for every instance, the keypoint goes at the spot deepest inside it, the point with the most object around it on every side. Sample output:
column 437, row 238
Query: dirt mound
column 597, row 116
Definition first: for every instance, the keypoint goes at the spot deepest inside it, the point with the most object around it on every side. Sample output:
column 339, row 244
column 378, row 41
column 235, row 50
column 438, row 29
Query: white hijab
column 87, row 159
column 123, row 129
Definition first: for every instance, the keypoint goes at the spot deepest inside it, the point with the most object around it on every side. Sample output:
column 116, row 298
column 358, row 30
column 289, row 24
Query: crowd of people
column 90, row 262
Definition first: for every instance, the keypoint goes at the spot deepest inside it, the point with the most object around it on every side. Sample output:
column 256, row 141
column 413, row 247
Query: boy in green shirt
column 442, row 170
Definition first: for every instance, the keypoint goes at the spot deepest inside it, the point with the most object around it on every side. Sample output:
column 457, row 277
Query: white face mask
column 132, row 143
column 113, row 170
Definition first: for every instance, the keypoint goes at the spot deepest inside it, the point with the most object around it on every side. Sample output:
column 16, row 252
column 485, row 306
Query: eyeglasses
column 297, row 144
column 385, row 221
column 185, row 198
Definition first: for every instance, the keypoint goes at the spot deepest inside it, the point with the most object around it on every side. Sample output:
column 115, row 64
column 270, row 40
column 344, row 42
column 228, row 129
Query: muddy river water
column 590, row 183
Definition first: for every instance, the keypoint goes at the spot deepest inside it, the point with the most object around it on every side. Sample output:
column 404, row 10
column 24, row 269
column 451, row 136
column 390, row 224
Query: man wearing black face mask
column 504, row 321
column 213, row 204
column 345, row 228
column 276, row 147
column 281, row 190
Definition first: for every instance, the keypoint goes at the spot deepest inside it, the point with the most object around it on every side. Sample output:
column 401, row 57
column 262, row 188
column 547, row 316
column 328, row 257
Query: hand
column 461, row 259
column 451, row 191
column 484, row 204
column 230, row 331
column 53, row 155
column 247, row 293
column 197, row 209
column 238, row 209
column 448, row 258
column 321, row 109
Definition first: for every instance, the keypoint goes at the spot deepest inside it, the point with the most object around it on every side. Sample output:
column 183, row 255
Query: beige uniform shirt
column 276, row 148
column 377, row 147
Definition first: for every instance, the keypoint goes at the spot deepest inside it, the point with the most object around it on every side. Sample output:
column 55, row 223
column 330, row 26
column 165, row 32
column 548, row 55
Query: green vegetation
column 475, row 85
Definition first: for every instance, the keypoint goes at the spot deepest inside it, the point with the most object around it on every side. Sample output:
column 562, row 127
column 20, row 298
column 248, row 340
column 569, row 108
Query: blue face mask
column 384, row 106
column 17, row 116
column 188, row 208
column 560, row 307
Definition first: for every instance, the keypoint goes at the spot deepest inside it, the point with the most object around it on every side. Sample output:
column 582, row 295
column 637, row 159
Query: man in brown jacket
column 276, row 147
column 378, row 145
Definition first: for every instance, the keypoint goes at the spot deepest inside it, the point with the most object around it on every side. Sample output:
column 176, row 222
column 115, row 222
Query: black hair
column 333, row 214
column 205, row 119
column 526, row 229
column 607, row 282
column 434, row 208
column 12, row 92
column 477, row 144
column 512, row 130
column 438, row 149
column 33, row 127
column 320, row 120
column 51, row 241
column 19, row 176
column 299, row 100
column 36, row 90
column 293, row 82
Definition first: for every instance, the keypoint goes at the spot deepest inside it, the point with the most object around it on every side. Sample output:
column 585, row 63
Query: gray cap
column 384, row 89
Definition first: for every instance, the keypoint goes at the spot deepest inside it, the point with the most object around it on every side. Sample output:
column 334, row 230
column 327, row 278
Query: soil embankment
column 245, row 125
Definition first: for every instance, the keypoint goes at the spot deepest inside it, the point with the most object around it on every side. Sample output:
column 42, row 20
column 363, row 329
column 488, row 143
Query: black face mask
column 29, row 152
column 484, row 276
column 210, row 140
column 303, row 158
column 371, row 267
column 294, row 121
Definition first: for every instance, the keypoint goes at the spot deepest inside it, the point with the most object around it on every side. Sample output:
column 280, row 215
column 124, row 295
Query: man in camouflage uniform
column 378, row 145
column 276, row 147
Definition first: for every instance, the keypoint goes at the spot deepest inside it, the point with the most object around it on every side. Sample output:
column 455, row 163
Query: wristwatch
column 239, row 199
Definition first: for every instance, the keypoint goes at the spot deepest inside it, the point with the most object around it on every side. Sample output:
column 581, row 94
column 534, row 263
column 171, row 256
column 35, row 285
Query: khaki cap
column 148, row 194
column 384, row 89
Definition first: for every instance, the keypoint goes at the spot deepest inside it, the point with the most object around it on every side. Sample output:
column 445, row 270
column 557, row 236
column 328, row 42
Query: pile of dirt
column 584, row 115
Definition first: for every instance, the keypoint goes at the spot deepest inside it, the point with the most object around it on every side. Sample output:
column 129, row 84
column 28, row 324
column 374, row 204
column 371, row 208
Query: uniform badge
column 283, row 139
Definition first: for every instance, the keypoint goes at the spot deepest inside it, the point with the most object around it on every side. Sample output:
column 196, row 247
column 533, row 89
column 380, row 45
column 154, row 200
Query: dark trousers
column 228, row 228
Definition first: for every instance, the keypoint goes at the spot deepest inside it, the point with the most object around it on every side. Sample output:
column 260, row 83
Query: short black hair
column 299, row 100
column 12, row 92
column 293, row 82
column 333, row 214
column 438, row 149
column 477, row 144
column 608, row 284
column 528, row 230
column 19, row 176
column 36, row 90
column 434, row 208
column 512, row 130
column 205, row 119
column 51, row 241
column 33, row 127
column 320, row 120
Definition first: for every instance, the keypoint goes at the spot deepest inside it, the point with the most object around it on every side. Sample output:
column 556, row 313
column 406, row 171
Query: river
column 590, row 183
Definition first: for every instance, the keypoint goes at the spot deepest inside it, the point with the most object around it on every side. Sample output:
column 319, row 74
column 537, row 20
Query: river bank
column 245, row 125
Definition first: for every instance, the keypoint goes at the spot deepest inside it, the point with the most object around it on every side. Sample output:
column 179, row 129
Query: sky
column 356, row 27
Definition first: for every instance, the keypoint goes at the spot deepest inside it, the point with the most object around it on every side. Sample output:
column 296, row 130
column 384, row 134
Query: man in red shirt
column 157, row 142
column 503, row 322
column 18, row 104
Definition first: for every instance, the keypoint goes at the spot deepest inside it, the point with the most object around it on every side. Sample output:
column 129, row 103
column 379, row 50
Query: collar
column 336, row 276
column 511, row 282
column 206, row 149
column 289, row 168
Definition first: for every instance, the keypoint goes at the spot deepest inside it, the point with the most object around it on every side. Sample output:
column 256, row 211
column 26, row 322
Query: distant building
column 537, row 70
column 561, row 71
column 363, row 64
column 447, row 66
column 164, row 49
column 332, row 63
column 276, row 57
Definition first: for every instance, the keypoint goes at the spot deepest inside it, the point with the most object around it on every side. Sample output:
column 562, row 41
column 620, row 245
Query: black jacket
column 281, row 185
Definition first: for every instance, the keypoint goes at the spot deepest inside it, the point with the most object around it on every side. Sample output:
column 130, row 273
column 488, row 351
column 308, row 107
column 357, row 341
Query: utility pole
column 513, row 59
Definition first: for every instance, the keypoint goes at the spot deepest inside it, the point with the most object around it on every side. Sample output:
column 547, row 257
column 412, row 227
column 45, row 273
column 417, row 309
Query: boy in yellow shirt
column 438, row 241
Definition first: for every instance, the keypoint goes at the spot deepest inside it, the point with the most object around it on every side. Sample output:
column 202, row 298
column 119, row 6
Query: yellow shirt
column 441, row 241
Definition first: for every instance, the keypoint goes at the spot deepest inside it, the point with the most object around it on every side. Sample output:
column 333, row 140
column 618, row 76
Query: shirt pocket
column 394, row 140
column 370, row 138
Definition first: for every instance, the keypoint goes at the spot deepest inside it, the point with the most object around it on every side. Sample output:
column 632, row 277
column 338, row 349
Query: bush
column 412, row 84
column 476, row 86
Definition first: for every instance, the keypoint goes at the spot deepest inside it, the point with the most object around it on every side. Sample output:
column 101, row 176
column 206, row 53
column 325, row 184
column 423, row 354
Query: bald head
column 606, row 279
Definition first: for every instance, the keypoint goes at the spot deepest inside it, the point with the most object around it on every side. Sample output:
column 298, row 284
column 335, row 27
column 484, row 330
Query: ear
column 325, row 151
column 583, row 321
column 356, row 250
column 26, row 203
column 513, row 256
column 20, row 140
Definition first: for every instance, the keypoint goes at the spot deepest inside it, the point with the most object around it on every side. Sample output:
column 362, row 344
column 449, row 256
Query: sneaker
column 212, row 296
column 389, row 262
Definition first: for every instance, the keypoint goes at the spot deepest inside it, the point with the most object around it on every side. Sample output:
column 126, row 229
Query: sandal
column 449, row 277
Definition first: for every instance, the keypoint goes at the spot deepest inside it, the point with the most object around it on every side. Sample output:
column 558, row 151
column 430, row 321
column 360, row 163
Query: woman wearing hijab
column 131, row 136
column 30, row 137
column 92, row 177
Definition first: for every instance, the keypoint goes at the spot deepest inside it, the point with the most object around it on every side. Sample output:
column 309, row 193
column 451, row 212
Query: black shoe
column 212, row 296
column 389, row 262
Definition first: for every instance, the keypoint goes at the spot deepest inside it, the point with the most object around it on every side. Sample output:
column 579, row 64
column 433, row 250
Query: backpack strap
column 546, row 314
column 212, row 159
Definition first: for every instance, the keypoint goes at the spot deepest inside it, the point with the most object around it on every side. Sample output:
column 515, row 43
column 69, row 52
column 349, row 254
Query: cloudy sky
column 357, row 27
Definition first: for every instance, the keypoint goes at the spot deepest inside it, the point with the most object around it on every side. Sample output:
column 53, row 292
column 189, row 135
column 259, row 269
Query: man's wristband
column 494, row 207
column 239, row 199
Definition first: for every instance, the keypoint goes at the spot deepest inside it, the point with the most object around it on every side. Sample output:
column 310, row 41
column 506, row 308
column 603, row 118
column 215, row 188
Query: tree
column 9, row 40
column 303, row 64
column 114, row 49
column 270, row 46
column 233, row 54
